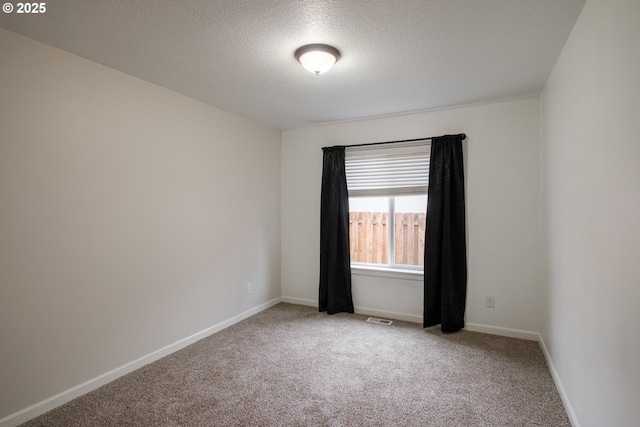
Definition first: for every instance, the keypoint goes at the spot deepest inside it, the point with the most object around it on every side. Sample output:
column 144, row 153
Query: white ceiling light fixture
column 317, row 58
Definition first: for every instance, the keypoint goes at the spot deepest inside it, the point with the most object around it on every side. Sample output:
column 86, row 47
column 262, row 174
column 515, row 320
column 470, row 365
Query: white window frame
column 391, row 186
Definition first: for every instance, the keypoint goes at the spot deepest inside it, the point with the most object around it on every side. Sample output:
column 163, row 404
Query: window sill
column 392, row 273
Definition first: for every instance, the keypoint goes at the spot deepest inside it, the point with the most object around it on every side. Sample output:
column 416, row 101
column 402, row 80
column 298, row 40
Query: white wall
column 590, row 215
column 130, row 217
column 502, row 210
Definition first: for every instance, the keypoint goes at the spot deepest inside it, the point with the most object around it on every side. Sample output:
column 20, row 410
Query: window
column 388, row 204
column 388, row 230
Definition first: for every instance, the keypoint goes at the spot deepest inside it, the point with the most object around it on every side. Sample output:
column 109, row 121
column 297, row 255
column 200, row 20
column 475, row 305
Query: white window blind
column 379, row 170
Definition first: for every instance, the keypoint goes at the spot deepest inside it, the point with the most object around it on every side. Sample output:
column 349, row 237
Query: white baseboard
column 59, row 399
column 505, row 332
column 360, row 310
column 556, row 379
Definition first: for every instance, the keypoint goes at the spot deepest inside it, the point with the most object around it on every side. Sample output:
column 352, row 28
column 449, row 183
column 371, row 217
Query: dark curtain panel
column 445, row 254
column 335, row 265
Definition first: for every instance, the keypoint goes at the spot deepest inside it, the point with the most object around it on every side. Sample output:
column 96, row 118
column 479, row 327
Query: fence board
column 422, row 222
column 368, row 231
column 378, row 249
column 408, row 238
column 353, row 235
column 398, row 243
column 362, row 238
column 385, row 237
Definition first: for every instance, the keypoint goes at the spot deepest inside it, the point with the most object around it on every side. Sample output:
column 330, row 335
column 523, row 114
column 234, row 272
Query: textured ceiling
column 397, row 55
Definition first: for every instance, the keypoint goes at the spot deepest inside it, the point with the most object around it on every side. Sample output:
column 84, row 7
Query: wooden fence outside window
column 369, row 237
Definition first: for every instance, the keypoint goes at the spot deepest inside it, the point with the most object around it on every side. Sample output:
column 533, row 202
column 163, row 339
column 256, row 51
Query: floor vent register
column 379, row 321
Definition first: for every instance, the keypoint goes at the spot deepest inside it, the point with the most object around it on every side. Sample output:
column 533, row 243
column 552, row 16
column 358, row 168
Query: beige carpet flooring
column 292, row 366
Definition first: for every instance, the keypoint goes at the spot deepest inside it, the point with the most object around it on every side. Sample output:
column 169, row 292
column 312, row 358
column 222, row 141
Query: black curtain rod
column 460, row 135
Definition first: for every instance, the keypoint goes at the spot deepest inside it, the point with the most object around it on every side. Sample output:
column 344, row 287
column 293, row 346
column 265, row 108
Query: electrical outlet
column 491, row 302
column 249, row 288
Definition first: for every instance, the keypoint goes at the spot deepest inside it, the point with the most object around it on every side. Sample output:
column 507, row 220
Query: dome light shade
column 317, row 58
